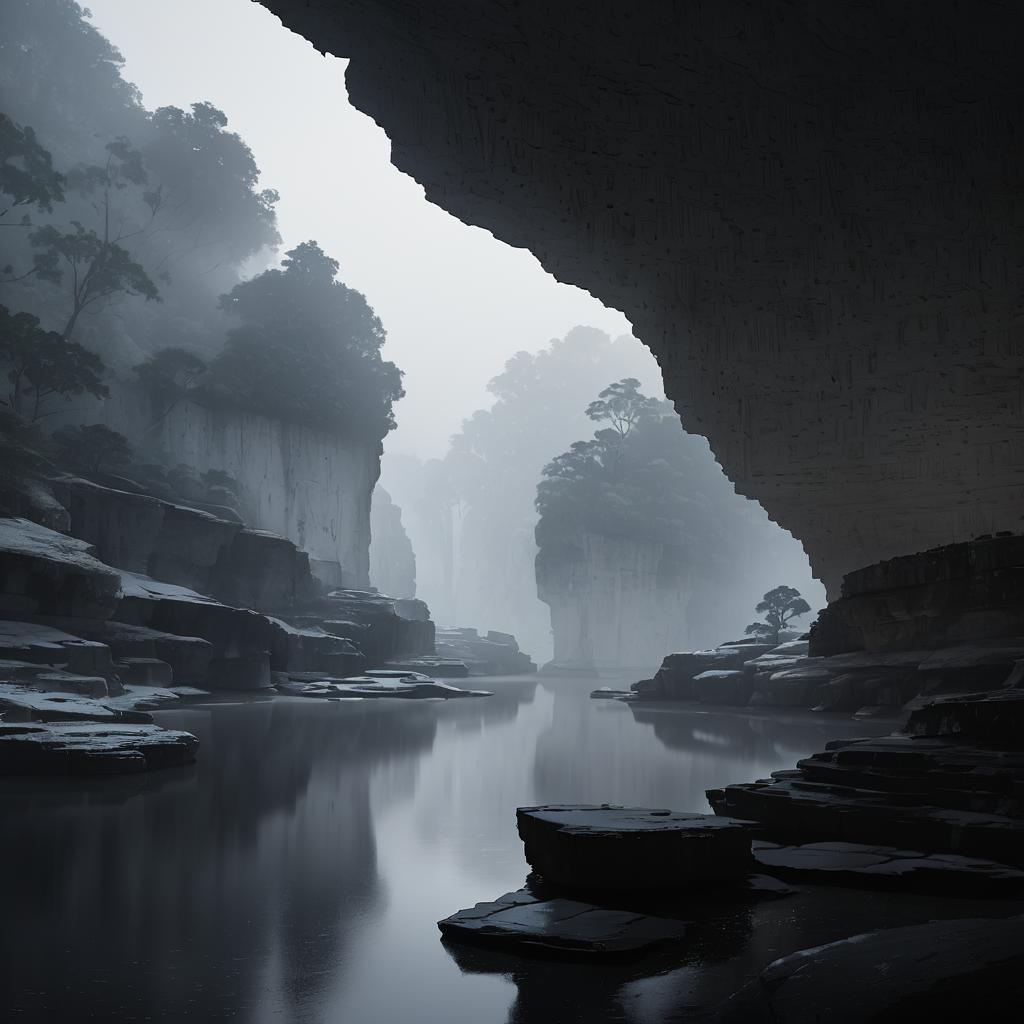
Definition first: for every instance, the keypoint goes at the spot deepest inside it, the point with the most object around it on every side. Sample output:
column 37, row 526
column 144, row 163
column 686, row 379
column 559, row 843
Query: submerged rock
column 91, row 748
column 561, row 927
column 608, row 848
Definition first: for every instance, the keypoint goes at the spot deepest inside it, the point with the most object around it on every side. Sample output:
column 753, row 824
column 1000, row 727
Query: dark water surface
column 296, row 872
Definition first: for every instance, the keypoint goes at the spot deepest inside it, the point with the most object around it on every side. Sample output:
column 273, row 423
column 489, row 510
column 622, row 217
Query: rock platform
column 91, row 748
column 561, row 927
column 621, row 849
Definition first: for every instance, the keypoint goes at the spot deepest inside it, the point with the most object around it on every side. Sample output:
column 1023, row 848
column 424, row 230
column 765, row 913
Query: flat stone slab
column 403, row 687
column 91, row 748
column 630, row 849
column 884, row 867
column 561, row 927
column 607, row 693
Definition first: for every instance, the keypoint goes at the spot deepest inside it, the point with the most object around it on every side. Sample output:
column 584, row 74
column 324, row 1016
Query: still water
column 296, row 872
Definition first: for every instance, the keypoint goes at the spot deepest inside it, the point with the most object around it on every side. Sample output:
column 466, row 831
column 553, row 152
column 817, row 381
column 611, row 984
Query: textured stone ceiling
column 812, row 212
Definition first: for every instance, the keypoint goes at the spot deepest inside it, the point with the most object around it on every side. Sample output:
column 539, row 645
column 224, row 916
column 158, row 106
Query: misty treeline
column 136, row 250
column 472, row 515
column 640, row 478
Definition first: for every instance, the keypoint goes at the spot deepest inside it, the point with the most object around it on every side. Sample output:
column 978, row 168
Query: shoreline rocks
column 91, row 748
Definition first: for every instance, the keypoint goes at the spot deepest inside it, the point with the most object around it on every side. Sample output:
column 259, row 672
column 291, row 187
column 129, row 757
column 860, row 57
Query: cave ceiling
column 811, row 212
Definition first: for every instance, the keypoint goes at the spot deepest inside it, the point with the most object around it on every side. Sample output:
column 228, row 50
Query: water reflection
column 297, row 871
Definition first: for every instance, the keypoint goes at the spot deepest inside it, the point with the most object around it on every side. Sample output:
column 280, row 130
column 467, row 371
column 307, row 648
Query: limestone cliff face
column 392, row 559
column 301, row 483
column 809, row 212
column 616, row 603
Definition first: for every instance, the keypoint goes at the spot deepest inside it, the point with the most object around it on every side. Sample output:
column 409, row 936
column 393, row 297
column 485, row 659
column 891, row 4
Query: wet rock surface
column 945, row 970
column 608, row 848
column 953, row 783
column 883, row 867
column 496, row 654
column 403, row 686
column 91, row 748
column 46, row 573
column 557, row 926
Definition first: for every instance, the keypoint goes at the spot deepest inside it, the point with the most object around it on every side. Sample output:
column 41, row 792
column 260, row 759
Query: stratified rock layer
column 953, row 783
column 809, row 212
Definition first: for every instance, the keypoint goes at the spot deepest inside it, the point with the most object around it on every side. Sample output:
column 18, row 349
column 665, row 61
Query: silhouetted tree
column 95, row 263
column 92, row 448
column 623, row 405
column 27, row 176
column 779, row 606
column 43, row 364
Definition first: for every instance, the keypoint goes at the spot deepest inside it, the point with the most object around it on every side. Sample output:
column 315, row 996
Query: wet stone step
column 604, row 848
column 562, row 927
column 884, row 867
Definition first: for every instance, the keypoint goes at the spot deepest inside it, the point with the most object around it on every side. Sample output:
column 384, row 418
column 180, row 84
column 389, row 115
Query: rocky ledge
column 375, row 685
column 952, row 781
column 91, row 748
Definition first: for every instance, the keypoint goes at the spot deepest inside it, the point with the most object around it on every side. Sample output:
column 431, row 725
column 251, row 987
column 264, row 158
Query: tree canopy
column 307, row 349
column 43, row 365
column 641, row 477
column 27, row 176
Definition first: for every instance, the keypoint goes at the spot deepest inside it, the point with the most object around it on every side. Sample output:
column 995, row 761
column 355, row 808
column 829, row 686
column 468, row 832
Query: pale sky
column 456, row 303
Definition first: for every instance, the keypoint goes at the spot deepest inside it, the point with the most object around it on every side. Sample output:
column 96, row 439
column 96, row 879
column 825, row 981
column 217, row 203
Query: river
column 297, row 871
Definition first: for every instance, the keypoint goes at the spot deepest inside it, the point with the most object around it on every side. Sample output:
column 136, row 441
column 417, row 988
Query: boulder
column 607, row 848
column 940, row 971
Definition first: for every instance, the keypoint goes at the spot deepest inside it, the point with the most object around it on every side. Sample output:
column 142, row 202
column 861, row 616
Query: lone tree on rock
column 780, row 606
